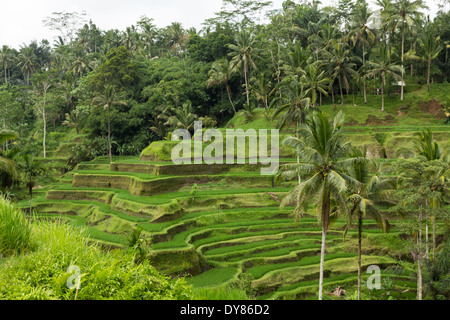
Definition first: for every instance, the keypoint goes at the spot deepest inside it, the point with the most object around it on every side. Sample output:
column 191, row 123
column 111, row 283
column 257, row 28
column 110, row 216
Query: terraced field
column 220, row 224
column 232, row 225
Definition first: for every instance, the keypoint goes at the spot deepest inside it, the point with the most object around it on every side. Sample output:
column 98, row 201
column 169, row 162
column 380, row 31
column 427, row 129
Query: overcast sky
column 21, row 20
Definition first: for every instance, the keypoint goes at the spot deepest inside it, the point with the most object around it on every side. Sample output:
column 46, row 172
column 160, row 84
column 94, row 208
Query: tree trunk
column 428, row 74
column 364, row 80
column 382, row 93
column 419, row 266
column 403, row 69
column 229, row 97
column 426, row 240
column 342, row 94
column 45, row 131
column 360, row 224
column 322, row 260
column 246, row 86
column 434, row 238
column 325, row 222
column 109, row 133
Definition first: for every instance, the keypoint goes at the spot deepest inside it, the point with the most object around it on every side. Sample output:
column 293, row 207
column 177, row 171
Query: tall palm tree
column 220, row 74
column 368, row 189
column 27, row 62
column 403, row 13
column 6, row 57
column 382, row 68
column 294, row 106
column 321, row 150
column 431, row 48
column 362, row 34
column 425, row 146
column 343, row 65
column 242, row 56
column 316, row 82
column 107, row 99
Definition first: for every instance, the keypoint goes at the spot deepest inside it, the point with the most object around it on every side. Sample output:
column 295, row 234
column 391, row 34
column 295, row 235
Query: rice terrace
column 299, row 156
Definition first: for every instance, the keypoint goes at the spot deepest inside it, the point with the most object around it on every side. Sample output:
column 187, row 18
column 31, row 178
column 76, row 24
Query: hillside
column 221, row 225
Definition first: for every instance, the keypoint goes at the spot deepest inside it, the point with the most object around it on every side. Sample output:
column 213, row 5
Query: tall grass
column 15, row 229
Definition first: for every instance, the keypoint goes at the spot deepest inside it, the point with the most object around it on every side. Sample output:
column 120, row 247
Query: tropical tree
column 242, row 56
column 27, row 62
column 6, row 58
column 184, row 117
column 369, row 189
column 315, row 81
column 107, row 99
column 342, row 63
column 402, row 14
column 323, row 161
column 431, row 48
column 220, row 74
column 262, row 88
column 42, row 83
column 381, row 67
column 425, row 146
column 362, row 34
column 31, row 169
column 9, row 173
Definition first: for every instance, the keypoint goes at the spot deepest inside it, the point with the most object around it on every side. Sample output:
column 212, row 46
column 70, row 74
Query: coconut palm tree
column 431, row 48
column 382, row 68
column 262, row 88
column 27, row 62
column 402, row 14
column 220, row 74
column 322, row 152
column 362, row 34
column 425, row 146
column 107, row 99
column 368, row 190
column 315, row 81
column 183, row 118
column 242, row 56
column 6, row 57
column 343, row 65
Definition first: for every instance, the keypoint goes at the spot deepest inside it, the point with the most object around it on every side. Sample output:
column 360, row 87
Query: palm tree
column 382, row 68
column 243, row 55
column 31, row 169
column 9, row 174
column 425, row 146
column 369, row 187
column 262, row 88
column 403, row 13
column 342, row 63
column 184, row 117
column 27, row 63
column 431, row 49
column 6, row 57
column 321, row 150
column 107, row 99
column 221, row 73
column 294, row 106
column 315, row 81
column 362, row 34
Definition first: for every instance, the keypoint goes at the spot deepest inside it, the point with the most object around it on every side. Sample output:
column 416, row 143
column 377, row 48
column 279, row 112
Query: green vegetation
column 87, row 178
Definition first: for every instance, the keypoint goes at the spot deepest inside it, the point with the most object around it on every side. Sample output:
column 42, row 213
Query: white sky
column 21, row 20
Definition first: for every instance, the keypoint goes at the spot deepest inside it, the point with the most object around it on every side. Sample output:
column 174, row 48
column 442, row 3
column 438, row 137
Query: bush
column 43, row 273
column 15, row 229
